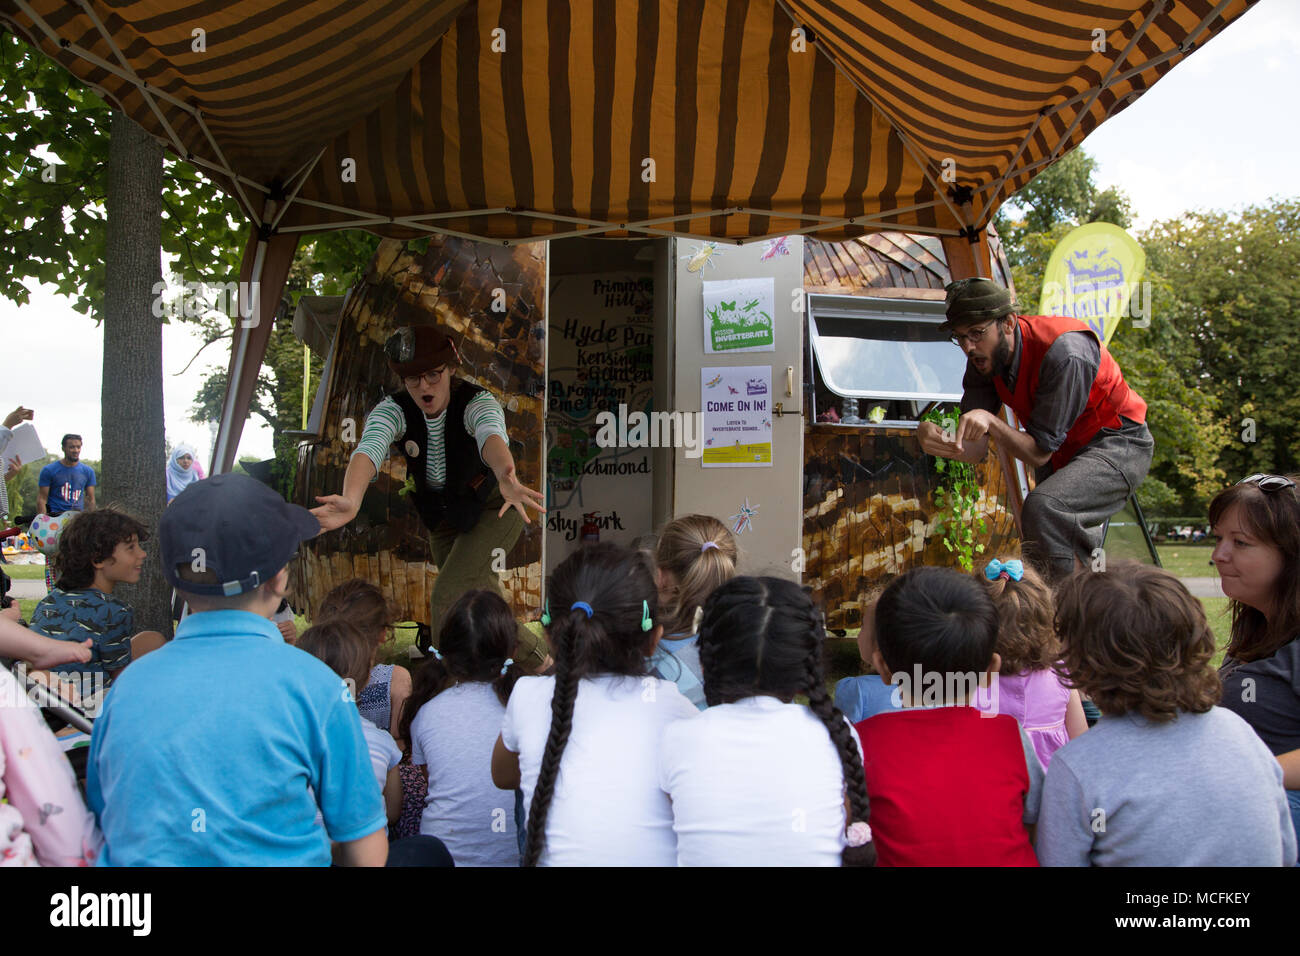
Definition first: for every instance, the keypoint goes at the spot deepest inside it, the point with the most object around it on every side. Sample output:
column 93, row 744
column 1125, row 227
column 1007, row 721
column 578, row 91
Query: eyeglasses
column 1268, row 482
column 413, row 381
column 973, row 336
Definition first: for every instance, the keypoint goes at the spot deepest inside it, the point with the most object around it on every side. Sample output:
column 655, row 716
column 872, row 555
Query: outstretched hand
column 519, row 497
column 14, row 466
column 334, row 512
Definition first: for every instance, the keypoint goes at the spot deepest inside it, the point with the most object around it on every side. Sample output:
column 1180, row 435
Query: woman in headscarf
column 182, row 470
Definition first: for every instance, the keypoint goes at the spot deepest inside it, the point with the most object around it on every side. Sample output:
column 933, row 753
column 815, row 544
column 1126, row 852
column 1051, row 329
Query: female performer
column 453, row 436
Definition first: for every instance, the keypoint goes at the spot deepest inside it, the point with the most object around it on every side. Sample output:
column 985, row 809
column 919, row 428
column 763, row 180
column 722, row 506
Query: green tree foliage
column 54, row 186
column 1234, row 283
column 1065, row 193
column 1224, row 293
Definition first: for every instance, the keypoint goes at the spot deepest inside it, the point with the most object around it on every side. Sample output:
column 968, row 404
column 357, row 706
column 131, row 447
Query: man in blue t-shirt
column 67, row 484
column 226, row 746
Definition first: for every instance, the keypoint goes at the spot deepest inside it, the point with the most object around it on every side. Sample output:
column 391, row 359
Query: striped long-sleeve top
column 386, row 424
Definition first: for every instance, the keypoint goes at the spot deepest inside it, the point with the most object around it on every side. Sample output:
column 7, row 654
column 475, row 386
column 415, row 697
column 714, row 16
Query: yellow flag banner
column 1094, row 275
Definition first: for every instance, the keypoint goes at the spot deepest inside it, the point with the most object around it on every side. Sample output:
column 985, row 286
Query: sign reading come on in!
column 736, row 425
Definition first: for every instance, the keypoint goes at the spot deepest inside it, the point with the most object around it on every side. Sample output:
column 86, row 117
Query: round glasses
column 973, row 335
column 413, row 381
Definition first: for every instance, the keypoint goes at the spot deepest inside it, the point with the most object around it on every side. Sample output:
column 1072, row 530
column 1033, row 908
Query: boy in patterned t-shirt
column 97, row 551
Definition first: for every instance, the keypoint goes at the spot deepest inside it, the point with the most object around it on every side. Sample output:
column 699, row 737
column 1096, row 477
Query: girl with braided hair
column 757, row 779
column 582, row 743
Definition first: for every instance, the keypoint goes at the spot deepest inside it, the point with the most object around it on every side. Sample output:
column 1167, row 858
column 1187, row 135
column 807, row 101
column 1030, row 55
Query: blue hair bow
column 1012, row 569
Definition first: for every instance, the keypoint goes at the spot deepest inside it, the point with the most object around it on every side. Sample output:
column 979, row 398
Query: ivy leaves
column 957, row 498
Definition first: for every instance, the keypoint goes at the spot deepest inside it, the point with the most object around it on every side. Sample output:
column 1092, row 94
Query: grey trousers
column 1062, row 516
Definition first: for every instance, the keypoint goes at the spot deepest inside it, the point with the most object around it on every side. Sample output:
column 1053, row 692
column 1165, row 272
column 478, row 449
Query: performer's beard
column 1002, row 357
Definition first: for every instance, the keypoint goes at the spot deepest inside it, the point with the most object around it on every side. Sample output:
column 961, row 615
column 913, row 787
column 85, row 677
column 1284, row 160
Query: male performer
column 1085, row 429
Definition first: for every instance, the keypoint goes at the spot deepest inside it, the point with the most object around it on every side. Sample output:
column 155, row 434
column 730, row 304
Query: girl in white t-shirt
column 452, row 719
column 582, row 744
column 757, row 779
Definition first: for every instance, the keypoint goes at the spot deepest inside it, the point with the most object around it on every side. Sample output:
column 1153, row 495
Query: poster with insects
column 738, row 315
column 736, row 424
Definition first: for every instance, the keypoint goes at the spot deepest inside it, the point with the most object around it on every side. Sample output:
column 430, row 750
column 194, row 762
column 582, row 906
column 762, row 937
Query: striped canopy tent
column 514, row 121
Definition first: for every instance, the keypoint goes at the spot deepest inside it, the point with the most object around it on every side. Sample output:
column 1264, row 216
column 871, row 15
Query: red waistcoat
column 947, row 788
column 1109, row 399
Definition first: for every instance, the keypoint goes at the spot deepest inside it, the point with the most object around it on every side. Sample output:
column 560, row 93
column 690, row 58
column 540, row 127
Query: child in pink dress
column 1027, row 687
column 43, row 819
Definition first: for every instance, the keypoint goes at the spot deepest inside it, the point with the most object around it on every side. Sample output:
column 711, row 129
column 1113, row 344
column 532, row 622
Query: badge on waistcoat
column 412, row 449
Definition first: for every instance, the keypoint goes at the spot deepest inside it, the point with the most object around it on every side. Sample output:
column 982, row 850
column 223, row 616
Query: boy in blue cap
column 228, row 747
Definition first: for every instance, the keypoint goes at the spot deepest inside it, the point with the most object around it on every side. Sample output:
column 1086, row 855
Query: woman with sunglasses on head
column 1256, row 525
column 1084, row 428
column 453, row 436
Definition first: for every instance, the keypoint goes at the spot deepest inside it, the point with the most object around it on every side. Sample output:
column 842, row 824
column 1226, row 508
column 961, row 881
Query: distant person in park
column 453, row 436
column 12, row 420
column 182, row 470
column 66, row 484
column 1085, row 429
column 1257, row 553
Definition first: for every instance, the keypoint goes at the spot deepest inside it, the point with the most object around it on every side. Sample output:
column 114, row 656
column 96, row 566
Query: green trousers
column 464, row 560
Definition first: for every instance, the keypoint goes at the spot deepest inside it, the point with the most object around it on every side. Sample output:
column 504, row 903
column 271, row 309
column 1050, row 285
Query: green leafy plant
column 957, row 497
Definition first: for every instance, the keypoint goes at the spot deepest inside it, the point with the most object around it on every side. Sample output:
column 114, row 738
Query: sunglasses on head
column 1268, row 482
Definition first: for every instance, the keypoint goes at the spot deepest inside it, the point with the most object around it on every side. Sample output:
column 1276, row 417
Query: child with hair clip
column 1027, row 686
column 452, row 719
column 695, row 555
column 949, row 785
column 583, row 743
column 1165, row 778
column 757, row 779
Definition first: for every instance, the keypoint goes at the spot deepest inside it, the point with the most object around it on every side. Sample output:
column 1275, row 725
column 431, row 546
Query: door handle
column 778, row 410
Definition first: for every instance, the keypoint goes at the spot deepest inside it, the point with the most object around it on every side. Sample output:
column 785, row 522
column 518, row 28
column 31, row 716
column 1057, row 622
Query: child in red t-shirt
column 949, row 786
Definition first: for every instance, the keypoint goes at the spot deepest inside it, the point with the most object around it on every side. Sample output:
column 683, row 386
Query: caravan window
column 884, row 351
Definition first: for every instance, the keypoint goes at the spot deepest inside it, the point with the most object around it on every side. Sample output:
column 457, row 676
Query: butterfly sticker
column 49, row 810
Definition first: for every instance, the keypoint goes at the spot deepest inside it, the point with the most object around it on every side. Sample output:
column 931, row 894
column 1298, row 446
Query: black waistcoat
column 469, row 481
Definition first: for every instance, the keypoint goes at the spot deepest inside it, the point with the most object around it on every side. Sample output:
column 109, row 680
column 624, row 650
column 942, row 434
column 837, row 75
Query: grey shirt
column 1201, row 790
column 1065, row 379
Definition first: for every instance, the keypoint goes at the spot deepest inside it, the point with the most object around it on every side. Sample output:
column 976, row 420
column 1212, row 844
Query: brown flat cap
column 976, row 300
column 415, row 349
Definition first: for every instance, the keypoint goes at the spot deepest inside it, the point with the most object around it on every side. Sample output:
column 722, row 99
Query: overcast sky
column 1214, row 133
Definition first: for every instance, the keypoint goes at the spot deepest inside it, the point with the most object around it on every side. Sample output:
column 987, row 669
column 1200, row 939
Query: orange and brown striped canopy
column 518, row 119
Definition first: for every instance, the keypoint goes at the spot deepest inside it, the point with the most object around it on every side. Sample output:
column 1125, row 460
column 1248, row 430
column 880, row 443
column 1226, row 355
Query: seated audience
column 758, row 779
column 1257, row 553
column 43, row 820
column 867, row 694
column 223, row 746
column 949, row 786
column 1027, row 687
column 97, row 552
column 346, row 651
column 452, row 719
column 583, row 743
column 695, row 555
column 1165, row 778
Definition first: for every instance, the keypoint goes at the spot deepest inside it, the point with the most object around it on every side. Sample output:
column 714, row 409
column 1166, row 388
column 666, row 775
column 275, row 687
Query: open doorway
column 606, row 336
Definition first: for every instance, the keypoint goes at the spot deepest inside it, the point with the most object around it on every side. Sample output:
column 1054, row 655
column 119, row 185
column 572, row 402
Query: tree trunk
column 134, row 459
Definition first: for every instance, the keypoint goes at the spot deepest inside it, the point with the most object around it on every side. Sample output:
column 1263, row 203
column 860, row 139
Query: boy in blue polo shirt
column 228, row 747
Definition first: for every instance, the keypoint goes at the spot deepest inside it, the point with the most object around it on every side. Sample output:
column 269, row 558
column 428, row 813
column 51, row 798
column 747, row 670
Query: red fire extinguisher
column 590, row 533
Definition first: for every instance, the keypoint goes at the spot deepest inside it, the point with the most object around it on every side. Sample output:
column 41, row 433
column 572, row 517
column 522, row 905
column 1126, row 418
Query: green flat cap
column 976, row 300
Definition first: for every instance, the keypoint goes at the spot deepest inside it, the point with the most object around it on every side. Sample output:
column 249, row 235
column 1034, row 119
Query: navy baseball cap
column 235, row 527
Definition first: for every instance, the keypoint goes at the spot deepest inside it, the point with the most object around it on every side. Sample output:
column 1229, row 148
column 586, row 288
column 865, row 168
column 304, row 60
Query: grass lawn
column 25, row 572
column 1187, row 560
